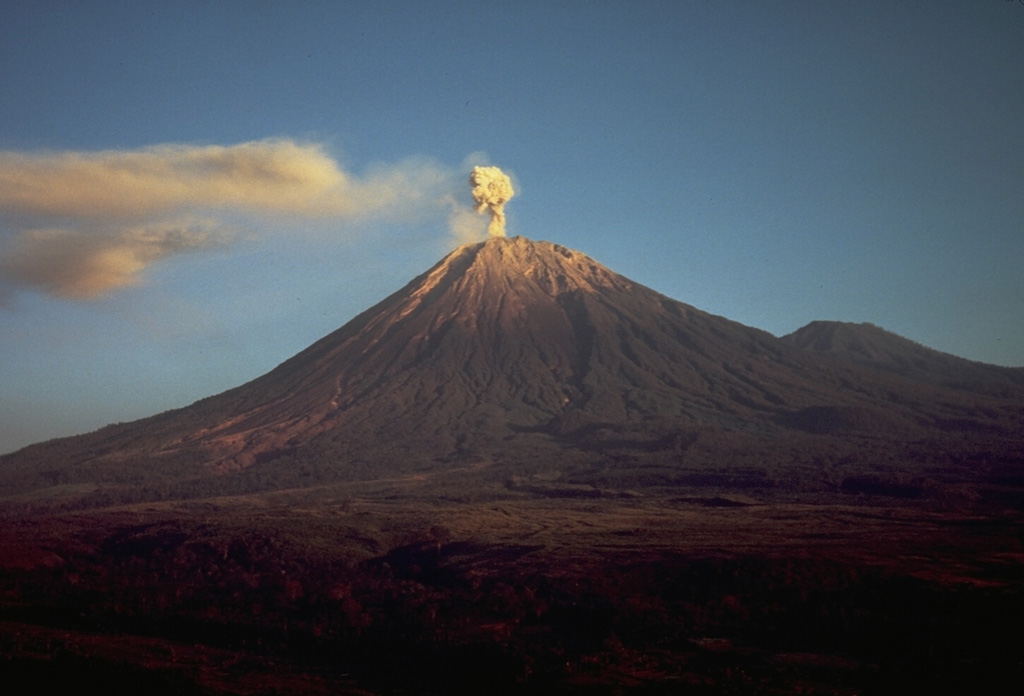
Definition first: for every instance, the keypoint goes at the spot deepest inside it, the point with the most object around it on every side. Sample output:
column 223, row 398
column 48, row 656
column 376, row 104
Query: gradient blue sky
column 772, row 162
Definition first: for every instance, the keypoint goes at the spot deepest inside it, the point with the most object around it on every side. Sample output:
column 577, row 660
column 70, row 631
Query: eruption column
column 492, row 189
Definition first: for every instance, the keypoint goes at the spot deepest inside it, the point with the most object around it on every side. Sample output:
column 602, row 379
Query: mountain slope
column 514, row 345
column 867, row 344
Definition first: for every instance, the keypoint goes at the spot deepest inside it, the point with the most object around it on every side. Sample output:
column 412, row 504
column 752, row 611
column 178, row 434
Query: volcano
column 524, row 472
column 517, row 351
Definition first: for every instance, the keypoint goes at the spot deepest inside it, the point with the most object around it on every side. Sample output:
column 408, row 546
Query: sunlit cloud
column 81, row 224
column 492, row 189
column 85, row 264
column 271, row 175
column 464, row 224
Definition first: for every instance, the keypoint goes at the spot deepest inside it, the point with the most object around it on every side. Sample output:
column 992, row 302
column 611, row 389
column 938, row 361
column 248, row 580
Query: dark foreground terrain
column 532, row 584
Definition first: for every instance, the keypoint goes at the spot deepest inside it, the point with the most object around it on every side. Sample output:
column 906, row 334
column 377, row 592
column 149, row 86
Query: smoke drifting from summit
column 492, row 189
column 80, row 224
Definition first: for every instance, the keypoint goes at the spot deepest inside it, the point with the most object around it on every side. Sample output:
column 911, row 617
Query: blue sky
column 192, row 192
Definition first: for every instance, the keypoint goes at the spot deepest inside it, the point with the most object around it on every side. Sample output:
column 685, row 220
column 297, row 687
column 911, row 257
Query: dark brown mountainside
column 868, row 344
column 513, row 350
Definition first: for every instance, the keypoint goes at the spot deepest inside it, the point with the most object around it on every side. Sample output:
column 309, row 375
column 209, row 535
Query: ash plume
column 81, row 224
column 492, row 189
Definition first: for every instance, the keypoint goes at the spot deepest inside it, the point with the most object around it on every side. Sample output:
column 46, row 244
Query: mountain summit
column 867, row 344
column 499, row 337
column 523, row 350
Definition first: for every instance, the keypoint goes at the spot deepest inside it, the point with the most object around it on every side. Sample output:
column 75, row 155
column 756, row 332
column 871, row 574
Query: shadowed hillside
column 512, row 352
column 867, row 344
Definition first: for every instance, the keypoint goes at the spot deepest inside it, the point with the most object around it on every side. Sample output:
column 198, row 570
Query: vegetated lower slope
column 515, row 352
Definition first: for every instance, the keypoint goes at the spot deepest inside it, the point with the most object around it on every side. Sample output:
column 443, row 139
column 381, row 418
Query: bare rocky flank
column 512, row 350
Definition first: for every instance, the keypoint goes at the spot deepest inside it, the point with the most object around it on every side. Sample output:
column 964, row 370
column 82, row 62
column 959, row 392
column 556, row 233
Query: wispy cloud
column 80, row 224
column 85, row 263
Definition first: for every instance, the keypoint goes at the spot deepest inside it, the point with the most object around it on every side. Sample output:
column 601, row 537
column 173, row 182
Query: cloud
column 492, row 189
column 272, row 175
column 80, row 224
column 465, row 224
column 83, row 265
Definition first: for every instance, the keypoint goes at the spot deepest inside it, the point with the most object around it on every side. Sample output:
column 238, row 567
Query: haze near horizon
column 191, row 195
